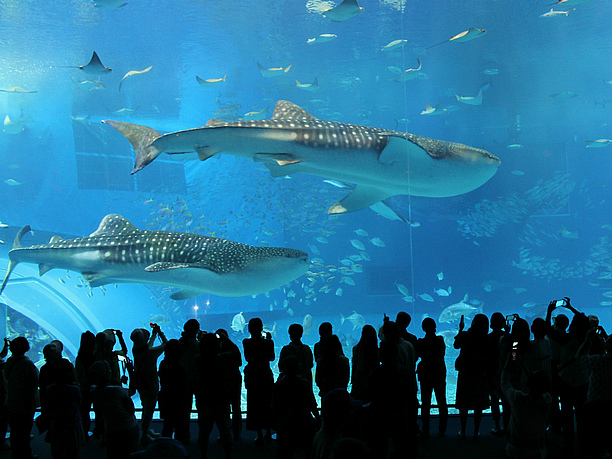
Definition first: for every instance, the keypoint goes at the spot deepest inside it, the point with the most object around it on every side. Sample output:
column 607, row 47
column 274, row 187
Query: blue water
column 538, row 230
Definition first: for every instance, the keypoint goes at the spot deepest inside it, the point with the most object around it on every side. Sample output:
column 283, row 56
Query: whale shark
column 119, row 252
column 380, row 162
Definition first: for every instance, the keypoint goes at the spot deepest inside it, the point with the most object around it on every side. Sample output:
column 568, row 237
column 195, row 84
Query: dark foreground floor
column 488, row 446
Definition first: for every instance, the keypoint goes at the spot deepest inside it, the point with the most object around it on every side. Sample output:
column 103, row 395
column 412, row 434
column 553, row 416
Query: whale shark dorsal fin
column 55, row 239
column 113, row 225
column 285, row 110
column 215, row 122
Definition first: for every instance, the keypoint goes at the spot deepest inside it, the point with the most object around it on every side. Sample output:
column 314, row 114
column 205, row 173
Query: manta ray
column 119, row 252
column 380, row 162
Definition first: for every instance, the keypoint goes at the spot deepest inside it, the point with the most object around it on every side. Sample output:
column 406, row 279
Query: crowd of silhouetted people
column 559, row 379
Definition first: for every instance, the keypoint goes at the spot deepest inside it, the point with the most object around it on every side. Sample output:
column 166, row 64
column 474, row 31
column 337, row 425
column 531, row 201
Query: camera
column 561, row 303
column 153, row 325
column 512, row 317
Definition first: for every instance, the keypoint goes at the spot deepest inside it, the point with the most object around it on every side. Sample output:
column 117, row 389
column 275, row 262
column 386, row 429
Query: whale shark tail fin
column 141, row 138
column 13, row 263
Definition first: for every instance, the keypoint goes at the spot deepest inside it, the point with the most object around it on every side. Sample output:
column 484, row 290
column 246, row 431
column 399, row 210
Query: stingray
column 210, row 82
column 93, row 67
column 471, row 100
column 18, row 90
column 464, row 36
column 345, row 10
column 409, row 74
column 429, row 110
column 599, row 143
column 312, row 87
column 132, row 73
column 273, row 72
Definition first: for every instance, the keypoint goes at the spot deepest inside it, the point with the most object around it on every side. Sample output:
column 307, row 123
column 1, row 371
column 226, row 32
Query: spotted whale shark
column 119, row 252
column 380, row 162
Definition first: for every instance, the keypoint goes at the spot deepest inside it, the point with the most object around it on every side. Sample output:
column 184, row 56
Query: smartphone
column 514, row 349
column 511, row 317
column 561, row 303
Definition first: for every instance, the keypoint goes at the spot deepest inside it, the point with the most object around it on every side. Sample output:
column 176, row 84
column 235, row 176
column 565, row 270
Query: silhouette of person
column 213, row 395
column 61, row 407
column 52, row 353
column 103, row 350
column 189, row 342
column 174, row 395
column 22, row 396
column 599, row 392
column 560, row 324
column 431, row 371
column 538, row 356
column 301, row 351
column 230, row 353
column 390, row 391
column 365, row 359
column 472, row 390
column 403, row 320
column 526, row 435
column 336, row 413
column 84, row 360
column 498, row 330
column 145, row 369
column 406, row 356
column 333, row 368
column 516, row 341
column 573, row 379
column 3, row 392
column 258, row 379
column 294, row 409
column 325, row 330
column 117, row 409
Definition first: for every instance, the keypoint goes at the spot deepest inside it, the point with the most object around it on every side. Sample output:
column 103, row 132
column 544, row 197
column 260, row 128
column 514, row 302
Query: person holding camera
column 144, row 374
column 573, row 381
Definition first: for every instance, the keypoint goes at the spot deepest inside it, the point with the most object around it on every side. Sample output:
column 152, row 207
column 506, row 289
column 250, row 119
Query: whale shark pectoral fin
column 42, row 269
column 95, row 279
column 282, row 159
column 277, row 170
column 360, row 198
column 205, row 152
column 185, row 294
column 141, row 138
column 165, row 266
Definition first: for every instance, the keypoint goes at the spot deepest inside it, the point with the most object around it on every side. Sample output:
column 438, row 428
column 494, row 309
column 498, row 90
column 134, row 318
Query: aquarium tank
column 359, row 167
